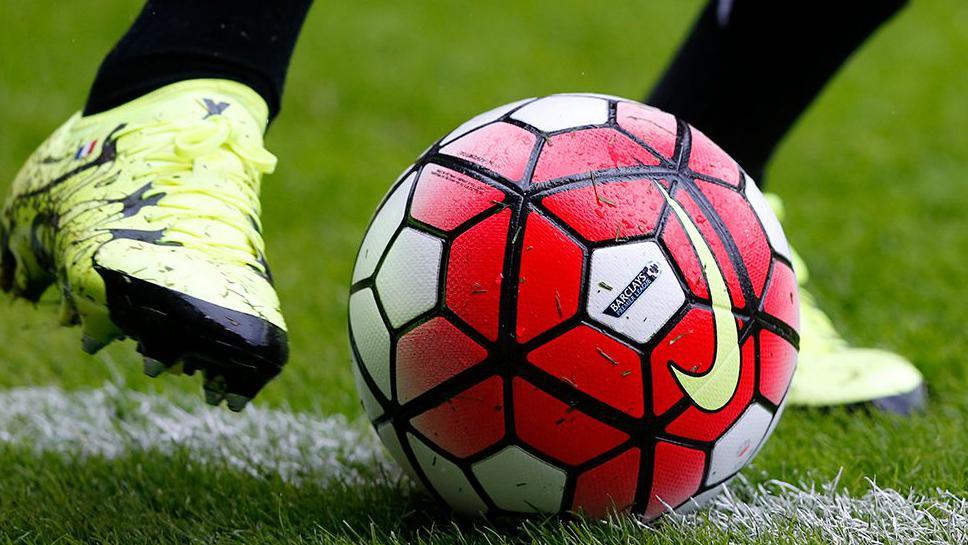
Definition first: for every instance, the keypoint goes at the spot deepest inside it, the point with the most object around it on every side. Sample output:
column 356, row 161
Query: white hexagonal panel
column 480, row 120
column 520, row 482
column 371, row 338
column 371, row 406
column 392, row 443
column 559, row 112
column 388, row 218
column 774, row 231
column 769, row 432
column 407, row 280
column 738, row 445
column 633, row 289
column 447, row 479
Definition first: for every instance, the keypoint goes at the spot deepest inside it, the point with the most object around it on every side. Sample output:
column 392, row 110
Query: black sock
column 749, row 68
column 249, row 41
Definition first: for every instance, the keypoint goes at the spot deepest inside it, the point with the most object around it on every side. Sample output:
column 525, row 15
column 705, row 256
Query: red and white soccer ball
column 574, row 303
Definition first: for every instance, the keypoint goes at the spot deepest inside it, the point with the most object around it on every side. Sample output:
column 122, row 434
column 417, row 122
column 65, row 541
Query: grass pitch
column 873, row 179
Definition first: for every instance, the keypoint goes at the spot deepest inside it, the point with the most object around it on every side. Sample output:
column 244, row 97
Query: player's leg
column 145, row 207
column 750, row 68
column 744, row 75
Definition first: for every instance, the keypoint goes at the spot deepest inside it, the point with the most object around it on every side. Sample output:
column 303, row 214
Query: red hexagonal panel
column 558, row 429
column 715, row 243
column 589, row 150
column 445, row 198
column 690, row 346
column 654, row 127
column 745, row 229
column 700, row 425
column 677, row 242
column 705, row 157
column 474, row 273
column 467, row 422
column 595, row 364
column 603, row 211
column 609, row 486
column 778, row 360
column 500, row 147
column 782, row 299
column 432, row 353
column 676, row 477
column 550, row 278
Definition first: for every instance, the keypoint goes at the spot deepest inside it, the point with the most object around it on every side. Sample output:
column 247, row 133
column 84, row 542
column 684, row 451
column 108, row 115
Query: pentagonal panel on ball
column 744, row 228
column 467, row 422
column 550, row 281
column 407, row 279
column 447, row 479
column 609, row 211
column 371, row 338
column 499, row 147
column 391, row 442
column 778, row 361
column 596, row 364
column 654, row 127
column 580, row 152
column 475, row 273
column 705, row 157
column 520, row 482
column 388, row 218
column 481, row 119
column 371, row 405
column 430, row 354
column 774, row 231
column 560, row 112
column 738, row 445
column 633, row 289
column 676, row 476
column 559, row 430
column 446, row 199
column 609, row 486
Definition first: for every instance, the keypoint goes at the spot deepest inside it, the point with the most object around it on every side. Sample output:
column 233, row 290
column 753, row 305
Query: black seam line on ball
column 585, row 403
column 716, row 222
column 510, row 200
column 507, row 311
column 774, row 323
column 532, row 164
column 602, row 176
column 507, row 303
column 413, row 170
column 472, row 169
column 729, row 245
column 369, row 382
column 385, row 251
column 573, row 319
column 682, row 149
column 462, row 463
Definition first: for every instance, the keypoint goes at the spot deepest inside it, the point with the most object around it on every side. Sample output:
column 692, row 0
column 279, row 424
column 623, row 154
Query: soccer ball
column 574, row 303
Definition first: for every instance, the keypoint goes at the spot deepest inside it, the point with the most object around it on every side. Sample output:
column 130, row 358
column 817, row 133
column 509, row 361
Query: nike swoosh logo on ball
column 713, row 389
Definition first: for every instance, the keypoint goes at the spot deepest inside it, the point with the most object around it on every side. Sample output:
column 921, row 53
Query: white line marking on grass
column 113, row 422
column 828, row 513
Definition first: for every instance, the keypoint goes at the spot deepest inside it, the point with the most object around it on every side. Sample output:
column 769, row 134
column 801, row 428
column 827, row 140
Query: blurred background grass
column 873, row 178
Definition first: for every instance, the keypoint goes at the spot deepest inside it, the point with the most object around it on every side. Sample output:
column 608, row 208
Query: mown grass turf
column 873, row 178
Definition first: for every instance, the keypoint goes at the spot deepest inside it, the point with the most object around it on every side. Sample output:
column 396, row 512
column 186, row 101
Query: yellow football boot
column 147, row 217
column 830, row 372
